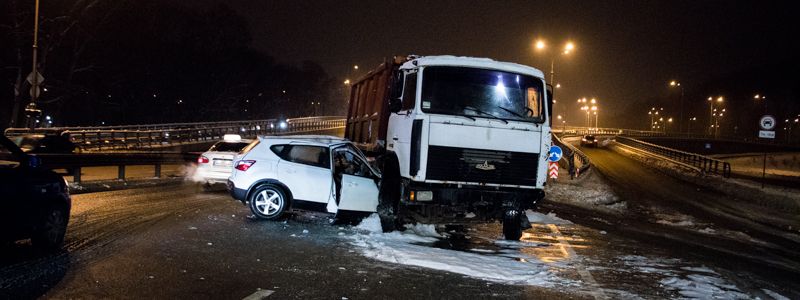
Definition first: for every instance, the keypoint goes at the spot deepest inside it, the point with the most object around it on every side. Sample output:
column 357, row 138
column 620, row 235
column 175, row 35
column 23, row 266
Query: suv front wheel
column 268, row 202
column 49, row 234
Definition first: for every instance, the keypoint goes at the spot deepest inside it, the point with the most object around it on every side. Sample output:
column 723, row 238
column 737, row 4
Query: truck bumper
column 453, row 204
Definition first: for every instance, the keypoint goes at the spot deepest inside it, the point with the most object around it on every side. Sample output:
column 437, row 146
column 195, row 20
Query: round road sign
column 767, row 122
column 555, row 153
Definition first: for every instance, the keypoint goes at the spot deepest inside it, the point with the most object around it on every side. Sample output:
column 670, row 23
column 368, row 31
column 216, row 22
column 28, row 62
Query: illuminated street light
column 540, row 45
column 347, row 81
column 355, row 67
column 674, row 84
column 713, row 121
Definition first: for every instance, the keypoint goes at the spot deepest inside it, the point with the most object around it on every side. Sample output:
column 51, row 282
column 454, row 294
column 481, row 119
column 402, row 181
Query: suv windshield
column 482, row 93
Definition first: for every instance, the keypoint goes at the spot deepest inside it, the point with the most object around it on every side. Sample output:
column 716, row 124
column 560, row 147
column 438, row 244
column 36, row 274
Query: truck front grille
column 482, row 166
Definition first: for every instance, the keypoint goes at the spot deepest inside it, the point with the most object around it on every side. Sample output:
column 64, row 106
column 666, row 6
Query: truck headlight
column 424, row 195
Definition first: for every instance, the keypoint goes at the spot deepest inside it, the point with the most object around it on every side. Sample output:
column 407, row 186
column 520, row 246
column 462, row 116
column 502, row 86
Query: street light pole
column 31, row 109
column 680, row 116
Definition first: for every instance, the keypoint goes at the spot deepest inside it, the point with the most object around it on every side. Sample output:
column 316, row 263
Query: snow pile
column 549, row 218
column 589, row 191
column 371, row 224
column 412, row 248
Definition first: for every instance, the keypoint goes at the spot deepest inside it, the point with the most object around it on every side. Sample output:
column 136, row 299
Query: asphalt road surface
column 175, row 241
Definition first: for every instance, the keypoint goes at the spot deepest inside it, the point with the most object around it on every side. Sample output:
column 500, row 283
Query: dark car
column 44, row 143
column 34, row 201
column 589, row 141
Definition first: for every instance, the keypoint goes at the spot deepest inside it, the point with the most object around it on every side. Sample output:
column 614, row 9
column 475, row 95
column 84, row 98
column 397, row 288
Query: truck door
column 357, row 184
column 400, row 124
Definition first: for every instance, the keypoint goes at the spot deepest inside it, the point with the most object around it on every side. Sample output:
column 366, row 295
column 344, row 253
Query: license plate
column 223, row 163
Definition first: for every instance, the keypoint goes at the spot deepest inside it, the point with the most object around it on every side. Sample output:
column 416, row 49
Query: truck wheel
column 389, row 195
column 512, row 227
column 49, row 234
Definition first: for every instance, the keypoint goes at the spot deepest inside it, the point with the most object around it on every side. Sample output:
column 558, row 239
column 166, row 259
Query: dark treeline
column 129, row 62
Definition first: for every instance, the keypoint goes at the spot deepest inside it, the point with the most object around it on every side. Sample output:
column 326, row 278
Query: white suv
column 320, row 173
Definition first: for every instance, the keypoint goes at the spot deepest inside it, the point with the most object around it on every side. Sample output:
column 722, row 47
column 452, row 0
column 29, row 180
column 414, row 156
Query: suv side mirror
column 33, row 161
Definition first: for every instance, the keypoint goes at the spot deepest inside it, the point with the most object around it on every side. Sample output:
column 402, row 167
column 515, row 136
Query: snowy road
column 177, row 242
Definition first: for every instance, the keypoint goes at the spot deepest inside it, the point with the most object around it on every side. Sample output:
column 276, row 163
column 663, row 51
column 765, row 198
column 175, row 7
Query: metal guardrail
column 704, row 163
column 585, row 163
column 148, row 137
column 74, row 162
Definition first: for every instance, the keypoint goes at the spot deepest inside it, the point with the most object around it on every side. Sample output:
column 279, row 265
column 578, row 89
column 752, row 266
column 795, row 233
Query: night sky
column 626, row 50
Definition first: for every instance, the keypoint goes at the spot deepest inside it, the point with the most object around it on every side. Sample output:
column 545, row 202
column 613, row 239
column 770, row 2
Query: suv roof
column 316, row 140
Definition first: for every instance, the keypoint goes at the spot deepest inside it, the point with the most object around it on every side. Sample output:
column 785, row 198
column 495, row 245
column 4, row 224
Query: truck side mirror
column 395, row 104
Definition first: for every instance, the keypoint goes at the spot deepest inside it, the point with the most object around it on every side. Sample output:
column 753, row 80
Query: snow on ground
column 775, row 295
column 589, row 191
column 689, row 282
column 549, row 218
column 413, row 248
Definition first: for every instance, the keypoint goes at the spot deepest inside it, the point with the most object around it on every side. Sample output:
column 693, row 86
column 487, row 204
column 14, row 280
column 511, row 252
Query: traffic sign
column 553, row 170
column 767, row 122
column 766, row 134
column 555, row 153
column 39, row 78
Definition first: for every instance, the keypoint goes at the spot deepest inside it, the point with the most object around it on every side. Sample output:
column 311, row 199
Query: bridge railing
column 585, row 163
column 142, row 137
column 704, row 163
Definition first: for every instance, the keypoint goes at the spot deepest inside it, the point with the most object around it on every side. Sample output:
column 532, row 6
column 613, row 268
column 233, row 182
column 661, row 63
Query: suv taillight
column 202, row 160
column 243, row 165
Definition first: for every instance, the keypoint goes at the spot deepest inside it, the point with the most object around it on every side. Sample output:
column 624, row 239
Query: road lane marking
column 585, row 274
column 258, row 295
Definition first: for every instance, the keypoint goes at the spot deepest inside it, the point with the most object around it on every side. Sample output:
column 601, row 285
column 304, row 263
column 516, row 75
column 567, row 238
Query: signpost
column 767, row 124
column 553, row 170
column 554, row 156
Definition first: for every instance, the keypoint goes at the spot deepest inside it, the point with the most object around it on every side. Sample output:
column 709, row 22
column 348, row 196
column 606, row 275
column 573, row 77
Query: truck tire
column 389, row 194
column 512, row 227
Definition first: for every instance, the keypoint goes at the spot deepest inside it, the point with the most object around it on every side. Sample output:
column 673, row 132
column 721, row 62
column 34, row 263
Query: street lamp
column 711, row 121
column 542, row 46
column 764, row 98
column 676, row 84
column 669, row 122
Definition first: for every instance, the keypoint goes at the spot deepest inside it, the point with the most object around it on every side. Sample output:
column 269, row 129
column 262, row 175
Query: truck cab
column 458, row 139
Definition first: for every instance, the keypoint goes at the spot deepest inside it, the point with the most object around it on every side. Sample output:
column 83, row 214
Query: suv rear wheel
column 268, row 202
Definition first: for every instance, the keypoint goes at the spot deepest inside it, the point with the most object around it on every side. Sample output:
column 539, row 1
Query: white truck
column 457, row 139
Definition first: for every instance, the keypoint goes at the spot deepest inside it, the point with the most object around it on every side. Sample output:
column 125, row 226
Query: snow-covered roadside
column 413, row 248
column 590, row 192
column 689, row 282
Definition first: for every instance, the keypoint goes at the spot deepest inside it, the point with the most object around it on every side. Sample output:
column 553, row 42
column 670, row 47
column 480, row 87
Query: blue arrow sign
column 555, row 153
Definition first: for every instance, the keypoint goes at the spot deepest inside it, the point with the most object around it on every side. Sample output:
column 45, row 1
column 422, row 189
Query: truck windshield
column 482, row 93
